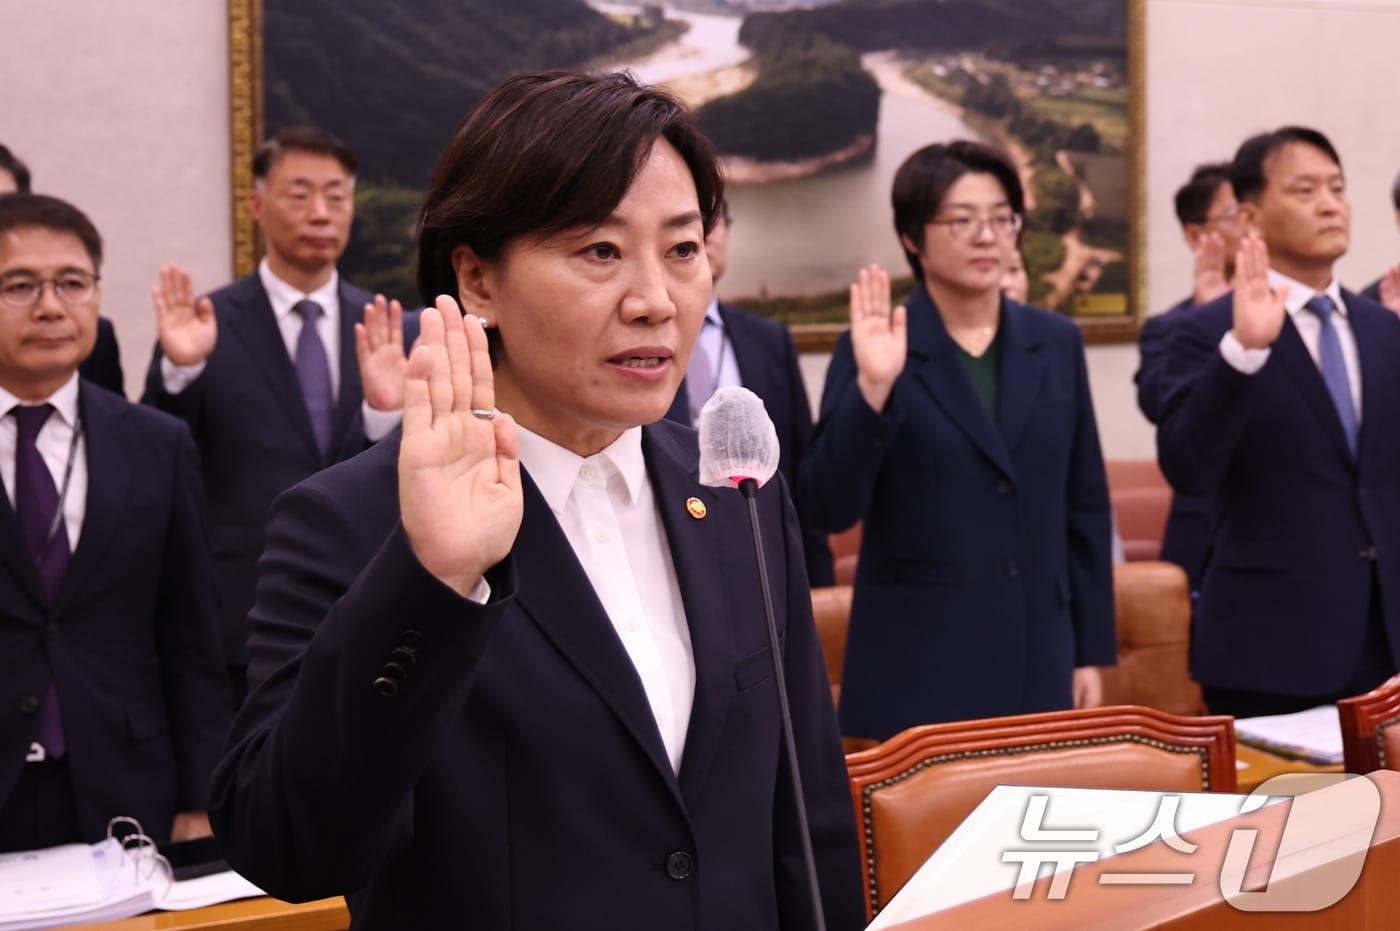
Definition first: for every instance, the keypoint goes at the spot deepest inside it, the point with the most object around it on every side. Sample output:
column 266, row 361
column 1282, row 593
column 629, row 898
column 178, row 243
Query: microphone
column 739, row 447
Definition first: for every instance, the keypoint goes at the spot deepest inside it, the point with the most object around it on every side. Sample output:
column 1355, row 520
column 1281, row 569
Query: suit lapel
column 1364, row 326
column 938, row 368
column 1021, row 372
column 15, row 555
column 1304, row 374
column 753, row 374
column 255, row 324
column 108, row 477
column 555, row 592
column 351, row 392
column 697, row 552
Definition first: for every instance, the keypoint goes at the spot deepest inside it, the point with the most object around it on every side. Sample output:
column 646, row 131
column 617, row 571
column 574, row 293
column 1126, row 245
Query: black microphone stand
column 749, row 489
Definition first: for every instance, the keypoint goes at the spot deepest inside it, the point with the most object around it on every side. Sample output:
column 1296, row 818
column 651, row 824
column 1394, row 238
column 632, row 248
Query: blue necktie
column 314, row 373
column 36, row 504
column 1334, row 367
column 701, row 375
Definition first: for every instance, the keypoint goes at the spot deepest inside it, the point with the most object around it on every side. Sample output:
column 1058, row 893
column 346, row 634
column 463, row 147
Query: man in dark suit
column 280, row 373
column 115, row 700
column 1210, row 222
column 737, row 347
column 1386, row 288
column 1283, row 408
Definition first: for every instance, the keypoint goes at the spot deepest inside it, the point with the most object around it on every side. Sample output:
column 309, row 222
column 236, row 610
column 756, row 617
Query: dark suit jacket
column 517, row 778
column 1187, row 538
column 131, row 640
column 767, row 361
column 1300, row 529
column 104, row 366
column 985, row 575
column 1373, row 291
column 249, row 421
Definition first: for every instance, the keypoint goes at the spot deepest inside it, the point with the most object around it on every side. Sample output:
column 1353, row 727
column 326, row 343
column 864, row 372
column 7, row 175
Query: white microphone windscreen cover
column 737, row 438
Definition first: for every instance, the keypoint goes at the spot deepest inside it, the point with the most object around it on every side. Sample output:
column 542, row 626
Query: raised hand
column 185, row 326
column 879, row 336
column 459, row 469
column 379, row 350
column 1209, row 280
column 1390, row 288
column 1259, row 312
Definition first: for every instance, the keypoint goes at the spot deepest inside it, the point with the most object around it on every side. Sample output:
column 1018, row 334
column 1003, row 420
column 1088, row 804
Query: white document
column 74, row 884
column 1315, row 734
column 970, row 865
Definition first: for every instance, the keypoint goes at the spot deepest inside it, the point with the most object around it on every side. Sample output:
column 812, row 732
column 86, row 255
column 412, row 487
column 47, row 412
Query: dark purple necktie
column 36, row 505
column 314, row 373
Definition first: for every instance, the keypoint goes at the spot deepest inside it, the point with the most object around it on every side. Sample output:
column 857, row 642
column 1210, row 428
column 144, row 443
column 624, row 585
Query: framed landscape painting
column 813, row 104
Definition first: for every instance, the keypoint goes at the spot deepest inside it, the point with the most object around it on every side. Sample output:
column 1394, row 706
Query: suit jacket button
column 29, row 704
column 411, row 639
column 403, row 656
column 1012, row 569
column 1004, row 487
column 679, row 865
column 51, row 631
column 393, row 671
column 1367, row 552
column 386, row 687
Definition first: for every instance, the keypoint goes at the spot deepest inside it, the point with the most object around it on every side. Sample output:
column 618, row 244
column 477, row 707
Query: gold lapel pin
column 696, row 508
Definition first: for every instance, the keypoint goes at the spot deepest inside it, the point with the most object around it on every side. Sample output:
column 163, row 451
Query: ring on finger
column 484, row 413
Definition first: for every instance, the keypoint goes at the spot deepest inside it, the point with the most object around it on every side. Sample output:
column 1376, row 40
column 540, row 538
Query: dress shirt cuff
column 379, row 424
column 177, row 378
column 481, row 591
column 1245, row 361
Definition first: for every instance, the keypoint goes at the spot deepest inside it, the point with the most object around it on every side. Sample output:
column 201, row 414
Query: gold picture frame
column 246, row 127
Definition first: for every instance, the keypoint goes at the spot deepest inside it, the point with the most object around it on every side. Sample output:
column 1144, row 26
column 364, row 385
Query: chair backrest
column 831, row 609
column 845, row 553
column 1371, row 728
column 1152, row 606
column 1141, row 500
column 913, row 790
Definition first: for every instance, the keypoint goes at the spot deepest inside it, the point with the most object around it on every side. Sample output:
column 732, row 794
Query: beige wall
column 122, row 108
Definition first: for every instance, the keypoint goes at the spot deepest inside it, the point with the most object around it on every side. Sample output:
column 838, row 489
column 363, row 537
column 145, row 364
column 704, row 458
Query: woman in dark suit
column 510, row 669
column 959, row 429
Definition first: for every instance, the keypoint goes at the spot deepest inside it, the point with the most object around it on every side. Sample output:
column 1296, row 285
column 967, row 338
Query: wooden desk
column 1263, row 766
column 246, row 915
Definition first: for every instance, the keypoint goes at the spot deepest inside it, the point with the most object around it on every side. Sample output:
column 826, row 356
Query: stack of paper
column 1313, row 735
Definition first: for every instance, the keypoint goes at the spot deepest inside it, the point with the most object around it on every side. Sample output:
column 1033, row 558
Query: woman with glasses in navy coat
column 959, row 429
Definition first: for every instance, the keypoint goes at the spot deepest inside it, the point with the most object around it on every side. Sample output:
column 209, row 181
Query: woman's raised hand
column 879, row 336
column 459, row 464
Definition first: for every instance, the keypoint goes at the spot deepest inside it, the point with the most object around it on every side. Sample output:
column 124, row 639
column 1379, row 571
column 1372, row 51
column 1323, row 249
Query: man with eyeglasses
column 281, row 373
column 737, row 347
column 1283, row 409
column 1210, row 223
column 113, row 698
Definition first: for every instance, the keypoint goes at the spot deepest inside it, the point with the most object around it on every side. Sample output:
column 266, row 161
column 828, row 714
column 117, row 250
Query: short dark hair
column 311, row 139
column 24, row 211
column 546, row 152
column 1395, row 192
column 17, row 169
column 1247, row 175
column 1194, row 197
column 925, row 177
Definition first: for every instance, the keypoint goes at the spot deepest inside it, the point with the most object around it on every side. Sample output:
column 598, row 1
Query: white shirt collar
column 712, row 312
column 1299, row 294
column 64, row 401
column 555, row 469
column 284, row 297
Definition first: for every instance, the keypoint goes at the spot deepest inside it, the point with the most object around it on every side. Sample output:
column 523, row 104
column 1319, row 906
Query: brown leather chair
column 911, row 791
column 1370, row 737
column 1141, row 499
column 831, row 608
column 1152, row 604
column 845, row 553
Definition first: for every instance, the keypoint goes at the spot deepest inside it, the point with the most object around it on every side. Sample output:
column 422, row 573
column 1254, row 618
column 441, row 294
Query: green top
column 983, row 372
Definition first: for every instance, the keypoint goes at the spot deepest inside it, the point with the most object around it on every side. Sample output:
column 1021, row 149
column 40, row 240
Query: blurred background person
column 1386, row 288
column 960, row 431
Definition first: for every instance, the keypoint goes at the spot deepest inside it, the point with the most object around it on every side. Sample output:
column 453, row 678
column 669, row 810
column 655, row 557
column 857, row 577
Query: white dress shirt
column 54, row 441
column 1249, row 361
column 606, row 508
column 283, row 297
column 718, row 348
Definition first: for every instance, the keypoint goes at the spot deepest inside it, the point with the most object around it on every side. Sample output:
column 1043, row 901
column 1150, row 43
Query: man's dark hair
column 1194, row 197
column 1395, row 192
column 548, row 152
column 1247, row 170
column 16, row 168
column 27, row 211
column 925, row 177
column 302, row 139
